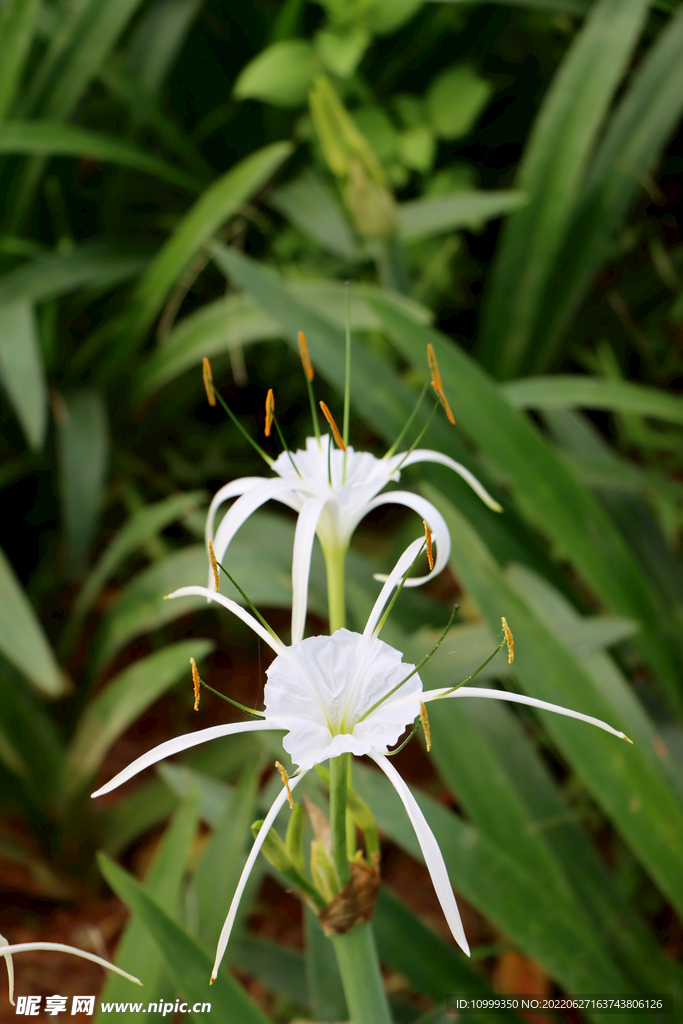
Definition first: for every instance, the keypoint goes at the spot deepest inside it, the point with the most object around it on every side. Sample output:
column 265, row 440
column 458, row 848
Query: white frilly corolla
column 331, row 504
column 8, row 950
column 322, row 693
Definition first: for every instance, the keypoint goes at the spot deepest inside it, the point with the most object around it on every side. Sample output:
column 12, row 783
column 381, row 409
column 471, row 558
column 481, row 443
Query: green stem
column 339, row 773
column 359, row 968
column 336, row 601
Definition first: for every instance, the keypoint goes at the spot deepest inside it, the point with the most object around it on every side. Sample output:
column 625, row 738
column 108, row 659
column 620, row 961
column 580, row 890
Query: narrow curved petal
column 251, row 860
column 236, row 609
column 250, row 501
column 301, row 562
column 178, row 743
column 437, row 525
column 519, row 698
column 430, row 849
column 427, row 455
column 10, row 970
column 392, row 580
column 26, row 947
column 234, row 489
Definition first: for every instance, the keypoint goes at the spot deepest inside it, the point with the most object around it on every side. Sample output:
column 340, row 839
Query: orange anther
column 208, row 381
column 509, row 640
column 214, row 566
column 437, row 383
column 428, row 539
column 195, row 680
column 425, row 725
column 270, row 411
column 285, row 779
column 335, row 430
column 305, row 358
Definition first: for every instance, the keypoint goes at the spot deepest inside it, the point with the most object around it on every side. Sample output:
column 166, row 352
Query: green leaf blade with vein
column 552, row 167
column 122, row 700
column 631, row 789
column 17, row 22
column 21, row 369
column 572, row 391
column 22, row 639
column 552, row 498
column 47, row 138
column 424, row 218
column 646, row 117
column 185, row 960
column 219, row 202
column 136, row 951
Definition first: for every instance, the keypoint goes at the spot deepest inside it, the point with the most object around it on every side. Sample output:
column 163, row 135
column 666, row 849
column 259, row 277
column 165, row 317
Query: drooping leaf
column 21, row 369
column 436, row 215
column 565, row 391
column 47, row 138
column 120, row 702
column 57, row 273
column 185, row 960
column 22, row 639
column 310, row 204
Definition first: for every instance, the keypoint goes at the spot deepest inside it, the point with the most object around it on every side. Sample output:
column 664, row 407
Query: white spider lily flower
column 344, row 693
column 332, row 492
column 7, row 950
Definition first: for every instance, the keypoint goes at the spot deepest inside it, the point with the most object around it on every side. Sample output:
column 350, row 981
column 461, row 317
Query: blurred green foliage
column 169, row 194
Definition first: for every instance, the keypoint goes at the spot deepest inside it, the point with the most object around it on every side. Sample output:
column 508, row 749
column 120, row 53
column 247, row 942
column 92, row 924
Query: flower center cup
column 320, row 689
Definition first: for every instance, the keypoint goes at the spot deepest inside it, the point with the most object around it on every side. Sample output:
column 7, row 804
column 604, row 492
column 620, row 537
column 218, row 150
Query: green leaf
column 279, row 968
column 47, row 138
column 624, row 779
column 121, row 702
column 216, row 205
column 83, row 458
column 58, row 273
column 311, row 205
column 186, row 961
column 205, row 333
column 643, row 122
column 551, row 172
column 564, row 6
column 17, row 22
column 136, row 951
column 323, row 980
column 574, row 391
column 22, row 640
column 436, row 215
column 143, row 525
column 281, row 74
column 157, row 40
column 221, row 864
column 510, row 896
column 552, row 498
column 21, row 369
column 455, row 99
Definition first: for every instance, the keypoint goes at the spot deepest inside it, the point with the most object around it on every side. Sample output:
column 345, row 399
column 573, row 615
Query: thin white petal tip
column 625, row 737
column 494, row 506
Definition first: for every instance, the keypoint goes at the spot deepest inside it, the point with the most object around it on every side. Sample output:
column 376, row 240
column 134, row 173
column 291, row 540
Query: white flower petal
column 519, row 698
column 26, row 947
column 236, row 609
column 427, row 455
column 437, row 525
column 393, row 579
column 251, row 860
column 232, row 490
column 430, row 849
column 178, row 743
column 301, row 562
column 243, row 508
column 10, row 969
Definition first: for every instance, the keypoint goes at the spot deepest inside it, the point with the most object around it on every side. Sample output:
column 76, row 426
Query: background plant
column 169, row 195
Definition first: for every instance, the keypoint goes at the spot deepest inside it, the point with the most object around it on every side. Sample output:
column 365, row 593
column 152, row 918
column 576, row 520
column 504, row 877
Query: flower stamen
column 270, row 411
column 196, row 681
column 308, row 377
column 257, row 447
column 428, row 540
column 424, row 718
column 208, row 381
column 285, row 781
column 214, row 567
column 437, row 383
column 509, row 640
column 333, row 426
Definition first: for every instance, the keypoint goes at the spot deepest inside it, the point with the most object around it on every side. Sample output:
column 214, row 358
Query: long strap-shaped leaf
column 624, row 779
column 553, row 499
column 551, row 173
column 16, row 33
column 641, row 126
